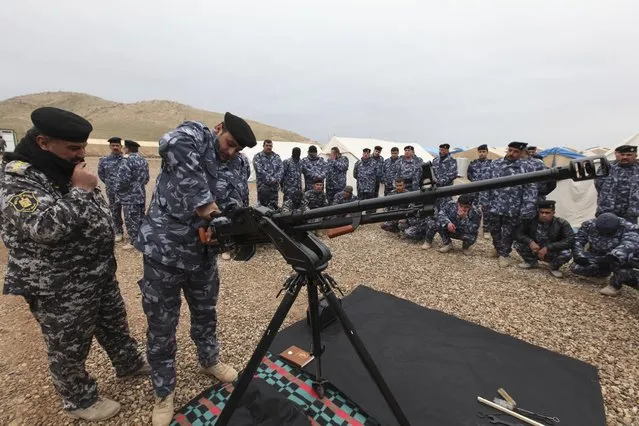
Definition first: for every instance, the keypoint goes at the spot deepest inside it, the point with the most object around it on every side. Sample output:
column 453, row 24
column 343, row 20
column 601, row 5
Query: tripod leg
column 313, row 307
column 265, row 342
column 363, row 354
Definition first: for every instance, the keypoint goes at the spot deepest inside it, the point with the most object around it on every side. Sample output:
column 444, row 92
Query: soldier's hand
column 210, row 237
column 207, row 211
column 83, row 178
column 541, row 254
column 534, row 247
column 451, row 227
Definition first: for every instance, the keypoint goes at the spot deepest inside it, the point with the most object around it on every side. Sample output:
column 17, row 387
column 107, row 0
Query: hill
column 145, row 121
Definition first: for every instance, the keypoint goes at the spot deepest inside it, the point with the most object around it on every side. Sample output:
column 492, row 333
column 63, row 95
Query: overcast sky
column 464, row 72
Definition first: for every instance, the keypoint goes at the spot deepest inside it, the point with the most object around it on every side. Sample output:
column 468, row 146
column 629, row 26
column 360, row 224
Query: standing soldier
column 241, row 165
column 445, row 170
column 184, row 200
column 336, row 169
column 619, row 191
column 108, row 172
column 409, row 169
column 292, row 174
column 479, row 169
column 599, row 181
column 130, row 188
column 379, row 160
column 268, row 173
column 389, row 170
column 457, row 220
column 534, row 164
column 313, row 168
column 509, row 206
column 59, row 233
column 365, row 173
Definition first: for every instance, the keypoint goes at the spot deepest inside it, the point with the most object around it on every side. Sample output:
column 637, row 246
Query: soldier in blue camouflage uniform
column 619, row 191
column 336, row 169
column 457, row 220
column 315, row 197
column 546, row 238
column 184, row 200
column 478, row 170
column 379, row 160
column 241, row 165
column 295, row 202
column 231, row 189
column 445, row 169
column 130, row 189
column 534, row 163
column 394, row 225
column 268, row 174
column 313, row 168
column 599, row 181
column 59, row 233
column 292, row 174
column 365, row 173
column 409, row 168
column 612, row 242
column 389, row 171
column 509, row 206
column 346, row 196
column 107, row 172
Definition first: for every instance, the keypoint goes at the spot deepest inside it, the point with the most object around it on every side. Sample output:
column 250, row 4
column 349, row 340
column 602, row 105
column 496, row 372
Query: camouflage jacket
column 468, row 225
column 187, row 180
column 313, row 168
column 410, row 169
column 242, row 165
column 290, row 206
column 313, row 200
column 365, row 172
column 445, row 169
column 619, row 191
column 621, row 245
column 268, row 170
column 336, row 173
column 389, row 171
column 291, row 176
column 55, row 241
column 398, row 206
column 379, row 161
column 514, row 201
column 133, row 175
column 108, row 170
column 339, row 198
column 480, row 170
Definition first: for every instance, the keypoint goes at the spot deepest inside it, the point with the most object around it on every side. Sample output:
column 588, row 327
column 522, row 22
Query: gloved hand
column 581, row 260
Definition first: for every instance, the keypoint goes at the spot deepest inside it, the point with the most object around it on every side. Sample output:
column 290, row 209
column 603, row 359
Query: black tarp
column 437, row 365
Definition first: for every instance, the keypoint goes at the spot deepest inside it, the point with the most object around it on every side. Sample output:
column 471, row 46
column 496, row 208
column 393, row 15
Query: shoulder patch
column 24, row 202
column 17, row 167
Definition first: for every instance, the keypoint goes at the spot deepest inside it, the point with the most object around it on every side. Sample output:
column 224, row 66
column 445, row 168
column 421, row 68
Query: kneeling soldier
column 459, row 221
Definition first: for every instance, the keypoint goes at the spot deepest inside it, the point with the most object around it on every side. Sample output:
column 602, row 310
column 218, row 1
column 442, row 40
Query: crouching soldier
column 547, row 238
column 459, row 221
column 612, row 242
column 393, row 225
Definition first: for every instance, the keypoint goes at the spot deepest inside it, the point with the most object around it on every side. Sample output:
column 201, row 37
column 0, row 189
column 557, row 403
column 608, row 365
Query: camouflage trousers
column 619, row 277
column 417, row 229
column 554, row 259
column 161, row 300
column 116, row 213
column 133, row 214
column 390, row 226
column 466, row 238
column 502, row 229
column 388, row 187
column 288, row 190
column 331, row 192
column 485, row 217
column 69, row 320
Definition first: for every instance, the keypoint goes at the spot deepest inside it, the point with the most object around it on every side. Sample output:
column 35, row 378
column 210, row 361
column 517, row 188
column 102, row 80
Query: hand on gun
column 207, row 212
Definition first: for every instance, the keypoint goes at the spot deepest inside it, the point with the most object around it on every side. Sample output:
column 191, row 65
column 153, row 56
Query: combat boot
column 163, row 411
column 556, row 273
column 118, row 238
column 223, row 372
column 610, row 291
column 127, row 246
column 525, row 265
column 504, row 262
column 446, row 248
column 427, row 245
column 487, row 236
column 102, row 409
column 226, row 255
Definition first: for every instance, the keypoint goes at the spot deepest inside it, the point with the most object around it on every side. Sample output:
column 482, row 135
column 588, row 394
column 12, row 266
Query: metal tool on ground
column 507, row 397
column 512, row 413
column 510, row 404
column 493, row 419
column 542, row 417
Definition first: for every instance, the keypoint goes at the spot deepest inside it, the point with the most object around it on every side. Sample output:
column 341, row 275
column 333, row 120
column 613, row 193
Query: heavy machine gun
column 309, row 256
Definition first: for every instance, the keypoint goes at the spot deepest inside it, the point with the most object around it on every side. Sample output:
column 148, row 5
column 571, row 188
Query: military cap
column 409, row 147
column 318, row 180
column 312, row 148
column 348, row 189
column 240, row 130
column 115, row 139
column 366, row 150
column 626, row 149
column 379, row 148
column 546, row 204
column 607, row 223
column 531, row 148
column 61, row 124
column 483, row 147
column 445, row 145
column 394, row 149
column 464, row 200
column 517, row 145
column 131, row 144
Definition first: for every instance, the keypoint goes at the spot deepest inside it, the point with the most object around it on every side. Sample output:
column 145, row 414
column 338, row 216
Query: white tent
column 283, row 149
column 352, row 148
column 576, row 201
column 633, row 140
column 595, row 151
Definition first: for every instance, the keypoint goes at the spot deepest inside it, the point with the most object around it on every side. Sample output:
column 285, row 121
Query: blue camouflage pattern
column 445, row 169
column 133, row 175
column 479, row 170
column 467, row 227
column 409, row 169
column 394, row 225
column 291, row 177
column 515, row 201
column 108, row 167
column 314, row 199
column 336, row 175
column 390, row 170
column 619, row 192
column 340, row 199
column 313, row 168
column 268, row 175
column 365, row 173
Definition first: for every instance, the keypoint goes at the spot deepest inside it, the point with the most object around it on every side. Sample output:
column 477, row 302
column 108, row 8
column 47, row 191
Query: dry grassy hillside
column 147, row 120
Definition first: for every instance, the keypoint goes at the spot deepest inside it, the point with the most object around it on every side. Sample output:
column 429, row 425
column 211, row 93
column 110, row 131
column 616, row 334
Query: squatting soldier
column 268, row 173
column 184, row 200
column 315, row 197
column 409, row 169
column 292, row 174
column 130, row 188
column 295, row 201
column 612, row 242
column 336, row 169
column 509, row 206
column 346, row 196
column 479, row 169
column 457, row 220
column 313, row 168
column 379, row 160
column 108, row 167
column 619, row 191
column 389, row 170
column 59, row 232
column 365, row 173
column 393, row 225
column 547, row 238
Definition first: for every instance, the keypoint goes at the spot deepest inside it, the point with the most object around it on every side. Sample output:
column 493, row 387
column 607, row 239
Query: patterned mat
column 334, row 409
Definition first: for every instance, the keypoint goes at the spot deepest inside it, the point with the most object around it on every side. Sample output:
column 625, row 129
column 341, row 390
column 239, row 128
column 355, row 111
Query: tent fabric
column 559, row 156
column 595, row 151
column 576, row 201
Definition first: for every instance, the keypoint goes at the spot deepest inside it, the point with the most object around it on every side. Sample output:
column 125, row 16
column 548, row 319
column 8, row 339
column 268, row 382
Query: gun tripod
column 308, row 258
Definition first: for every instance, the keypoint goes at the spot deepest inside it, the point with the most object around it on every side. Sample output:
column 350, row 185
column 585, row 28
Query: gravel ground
column 566, row 316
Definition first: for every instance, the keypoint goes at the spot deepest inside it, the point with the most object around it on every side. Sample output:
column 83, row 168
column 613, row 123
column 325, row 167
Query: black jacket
column 560, row 235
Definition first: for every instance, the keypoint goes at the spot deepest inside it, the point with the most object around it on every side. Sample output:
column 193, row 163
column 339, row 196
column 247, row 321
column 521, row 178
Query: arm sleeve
column 123, row 179
column 580, row 241
column 567, row 238
column 102, row 170
column 520, row 234
column 279, row 169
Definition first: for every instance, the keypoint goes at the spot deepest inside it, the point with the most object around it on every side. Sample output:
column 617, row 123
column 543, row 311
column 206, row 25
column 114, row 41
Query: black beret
column 240, row 130
column 482, row 147
column 366, row 150
column 318, row 180
column 115, row 139
column 312, row 148
column 517, row 145
column 131, row 144
column 394, row 149
column 626, row 148
column 445, row 145
column 607, row 222
column 409, row 147
column 531, row 148
column 379, row 148
column 464, row 200
column 546, row 204
column 60, row 124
